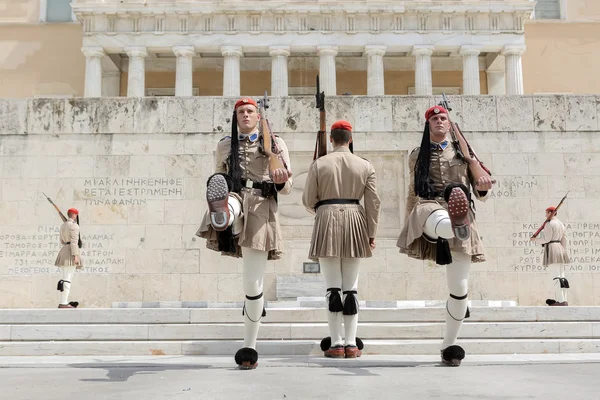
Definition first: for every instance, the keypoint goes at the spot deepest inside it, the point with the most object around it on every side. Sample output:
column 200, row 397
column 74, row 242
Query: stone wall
column 136, row 169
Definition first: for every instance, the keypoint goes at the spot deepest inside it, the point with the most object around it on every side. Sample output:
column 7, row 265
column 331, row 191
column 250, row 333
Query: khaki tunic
column 69, row 238
column 342, row 230
column 262, row 230
column 445, row 168
column 555, row 252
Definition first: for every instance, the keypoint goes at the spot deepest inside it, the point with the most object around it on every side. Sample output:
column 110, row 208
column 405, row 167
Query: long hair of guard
column 235, row 171
column 423, row 185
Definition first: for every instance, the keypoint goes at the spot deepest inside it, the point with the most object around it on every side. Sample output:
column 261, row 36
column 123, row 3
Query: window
column 547, row 9
column 56, row 11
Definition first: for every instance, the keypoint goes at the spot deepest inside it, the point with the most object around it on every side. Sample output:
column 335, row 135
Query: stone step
column 286, row 315
column 307, row 302
column 292, row 347
column 297, row 331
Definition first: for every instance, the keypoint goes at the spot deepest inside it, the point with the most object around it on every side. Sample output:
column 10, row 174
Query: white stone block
column 111, row 166
column 116, row 115
column 130, row 144
column 189, row 114
column 222, row 114
column 525, row 142
column 184, row 211
column 158, row 287
column 39, row 167
column 147, row 166
column 373, row 114
column 186, row 165
column 163, row 237
column 510, row 164
column 13, row 115
column 563, row 142
column 79, row 332
column 549, row 113
column 44, row 116
column 166, row 144
column 586, row 164
column 582, row 113
column 12, row 166
column 150, row 115
column 479, row 113
column 341, row 108
column 300, row 115
column 152, row 212
column 181, row 261
column 408, row 113
column 546, row 164
column 75, row 167
column 80, row 116
column 515, row 113
column 144, row 261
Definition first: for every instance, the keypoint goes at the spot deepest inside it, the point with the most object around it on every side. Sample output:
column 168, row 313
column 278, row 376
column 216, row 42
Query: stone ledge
column 294, row 114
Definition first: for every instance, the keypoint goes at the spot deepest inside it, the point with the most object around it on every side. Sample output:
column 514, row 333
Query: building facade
column 135, row 48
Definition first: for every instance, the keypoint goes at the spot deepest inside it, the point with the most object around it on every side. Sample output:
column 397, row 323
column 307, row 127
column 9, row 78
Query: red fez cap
column 434, row 111
column 73, row 211
column 551, row 208
column 341, row 124
column 244, row 101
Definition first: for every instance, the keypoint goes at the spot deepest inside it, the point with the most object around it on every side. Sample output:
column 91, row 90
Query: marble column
column 327, row 73
column 514, row 68
column 183, row 74
column 136, row 76
column 423, row 85
column 470, row 55
column 231, row 70
column 279, row 70
column 93, row 71
column 375, row 79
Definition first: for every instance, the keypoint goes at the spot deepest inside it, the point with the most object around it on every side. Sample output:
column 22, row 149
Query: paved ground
column 374, row 377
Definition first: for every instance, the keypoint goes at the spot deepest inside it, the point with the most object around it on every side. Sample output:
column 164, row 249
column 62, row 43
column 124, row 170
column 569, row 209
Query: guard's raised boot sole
column 458, row 210
column 217, row 194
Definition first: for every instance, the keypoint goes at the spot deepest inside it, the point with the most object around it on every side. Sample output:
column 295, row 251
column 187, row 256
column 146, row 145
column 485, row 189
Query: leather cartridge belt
column 267, row 188
column 336, row 201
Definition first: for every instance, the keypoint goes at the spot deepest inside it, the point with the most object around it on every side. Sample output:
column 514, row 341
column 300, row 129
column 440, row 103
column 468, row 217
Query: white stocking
column 254, row 262
column 68, row 273
column 438, row 224
column 561, row 293
column 235, row 211
column 350, row 282
column 457, row 276
column 332, row 270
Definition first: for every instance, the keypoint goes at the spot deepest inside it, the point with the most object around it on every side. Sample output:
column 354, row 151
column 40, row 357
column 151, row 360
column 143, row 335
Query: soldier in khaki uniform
column 440, row 223
column 243, row 217
column 343, row 233
column 69, row 257
column 553, row 239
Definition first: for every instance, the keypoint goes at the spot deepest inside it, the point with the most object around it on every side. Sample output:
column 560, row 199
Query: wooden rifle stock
column 269, row 143
column 464, row 149
column 321, row 143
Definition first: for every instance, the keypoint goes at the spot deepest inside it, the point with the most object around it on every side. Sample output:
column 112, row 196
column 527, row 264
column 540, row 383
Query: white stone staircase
column 291, row 331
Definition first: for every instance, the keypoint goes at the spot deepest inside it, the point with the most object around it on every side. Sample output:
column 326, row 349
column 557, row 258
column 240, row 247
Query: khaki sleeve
column 286, row 188
column 372, row 202
column 223, row 149
column 481, row 196
column 74, row 239
column 310, row 196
